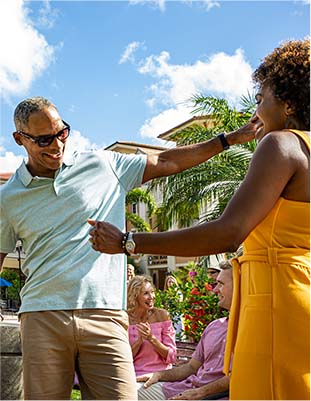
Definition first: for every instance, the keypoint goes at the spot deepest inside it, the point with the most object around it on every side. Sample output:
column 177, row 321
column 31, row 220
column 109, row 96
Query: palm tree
column 202, row 192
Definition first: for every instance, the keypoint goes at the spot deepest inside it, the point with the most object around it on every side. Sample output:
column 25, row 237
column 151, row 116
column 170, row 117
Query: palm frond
column 248, row 103
column 203, row 191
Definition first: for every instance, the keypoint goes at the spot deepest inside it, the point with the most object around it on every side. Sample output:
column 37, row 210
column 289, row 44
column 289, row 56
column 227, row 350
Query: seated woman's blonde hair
column 134, row 288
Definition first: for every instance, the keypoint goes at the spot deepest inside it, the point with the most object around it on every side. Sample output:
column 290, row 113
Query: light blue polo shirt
column 50, row 217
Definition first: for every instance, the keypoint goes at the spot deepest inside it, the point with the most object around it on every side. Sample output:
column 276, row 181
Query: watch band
column 223, row 141
column 124, row 239
column 128, row 244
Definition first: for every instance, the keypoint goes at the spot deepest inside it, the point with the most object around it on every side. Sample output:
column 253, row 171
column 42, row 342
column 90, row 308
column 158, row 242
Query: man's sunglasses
column 46, row 140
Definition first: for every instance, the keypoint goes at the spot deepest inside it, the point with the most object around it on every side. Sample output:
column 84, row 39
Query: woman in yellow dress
column 269, row 324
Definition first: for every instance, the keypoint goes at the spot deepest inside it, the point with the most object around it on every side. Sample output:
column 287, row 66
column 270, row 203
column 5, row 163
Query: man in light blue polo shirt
column 73, row 302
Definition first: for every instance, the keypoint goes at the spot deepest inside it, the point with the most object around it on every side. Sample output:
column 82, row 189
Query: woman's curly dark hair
column 287, row 73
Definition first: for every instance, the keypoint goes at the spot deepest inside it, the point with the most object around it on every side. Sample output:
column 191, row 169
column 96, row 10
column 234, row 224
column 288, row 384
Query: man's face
column 43, row 161
column 212, row 273
column 130, row 272
column 224, row 288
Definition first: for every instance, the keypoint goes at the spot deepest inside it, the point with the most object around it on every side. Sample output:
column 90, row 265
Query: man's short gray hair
column 225, row 265
column 27, row 107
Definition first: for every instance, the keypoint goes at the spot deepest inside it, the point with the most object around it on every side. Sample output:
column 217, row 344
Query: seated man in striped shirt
column 202, row 376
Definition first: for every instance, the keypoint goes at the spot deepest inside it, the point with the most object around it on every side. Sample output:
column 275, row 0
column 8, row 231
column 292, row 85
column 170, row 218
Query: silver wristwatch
column 130, row 244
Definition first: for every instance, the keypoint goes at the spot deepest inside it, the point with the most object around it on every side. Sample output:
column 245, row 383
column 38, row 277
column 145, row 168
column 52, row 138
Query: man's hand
column 149, row 378
column 193, row 394
column 105, row 237
column 245, row 133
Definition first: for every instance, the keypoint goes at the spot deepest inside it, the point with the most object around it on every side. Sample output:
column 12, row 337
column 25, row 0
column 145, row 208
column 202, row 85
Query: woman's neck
column 140, row 315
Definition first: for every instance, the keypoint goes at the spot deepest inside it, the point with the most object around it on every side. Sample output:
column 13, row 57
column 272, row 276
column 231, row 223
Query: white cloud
column 164, row 121
column 161, row 4
column 224, row 75
column 25, row 53
column 77, row 142
column 209, row 4
column 156, row 3
column 47, row 15
column 10, row 162
column 221, row 75
column 128, row 54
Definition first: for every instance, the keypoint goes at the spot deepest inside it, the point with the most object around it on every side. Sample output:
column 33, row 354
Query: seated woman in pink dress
column 151, row 332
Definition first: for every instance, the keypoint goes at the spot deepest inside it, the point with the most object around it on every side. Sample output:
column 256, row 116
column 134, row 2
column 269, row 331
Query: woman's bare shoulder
column 284, row 154
column 159, row 315
column 284, row 139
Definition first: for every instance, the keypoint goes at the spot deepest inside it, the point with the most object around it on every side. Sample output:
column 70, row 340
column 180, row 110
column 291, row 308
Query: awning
column 5, row 283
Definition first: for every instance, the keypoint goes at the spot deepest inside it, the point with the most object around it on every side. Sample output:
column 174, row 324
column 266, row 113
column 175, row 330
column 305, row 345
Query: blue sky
column 123, row 70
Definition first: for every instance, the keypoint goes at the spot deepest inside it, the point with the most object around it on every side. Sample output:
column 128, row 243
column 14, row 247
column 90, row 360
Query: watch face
column 130, row 246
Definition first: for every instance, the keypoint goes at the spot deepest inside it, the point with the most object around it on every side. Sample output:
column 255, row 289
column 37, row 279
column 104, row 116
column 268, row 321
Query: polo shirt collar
column 26, row 177
column 24, row 174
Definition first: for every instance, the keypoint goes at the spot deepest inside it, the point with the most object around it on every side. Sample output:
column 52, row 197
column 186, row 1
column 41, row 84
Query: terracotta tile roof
column 133, row 147
column 5, row 176
column 205, row 120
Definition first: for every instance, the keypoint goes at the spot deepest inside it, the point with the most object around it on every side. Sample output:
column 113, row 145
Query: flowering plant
column 194, row 301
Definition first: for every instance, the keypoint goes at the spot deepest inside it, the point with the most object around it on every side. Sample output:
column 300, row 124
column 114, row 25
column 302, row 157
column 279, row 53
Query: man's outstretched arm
column 175, row 160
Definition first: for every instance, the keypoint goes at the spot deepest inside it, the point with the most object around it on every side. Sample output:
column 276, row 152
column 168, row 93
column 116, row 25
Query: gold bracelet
column 152, row 339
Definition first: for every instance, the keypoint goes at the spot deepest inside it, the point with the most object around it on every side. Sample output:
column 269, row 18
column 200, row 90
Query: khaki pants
column 93, row 342
column 154, row 392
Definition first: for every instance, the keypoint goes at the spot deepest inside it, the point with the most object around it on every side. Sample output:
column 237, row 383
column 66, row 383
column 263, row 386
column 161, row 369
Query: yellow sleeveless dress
column 269, row 324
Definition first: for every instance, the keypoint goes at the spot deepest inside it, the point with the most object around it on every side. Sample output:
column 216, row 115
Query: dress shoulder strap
column 303, row 135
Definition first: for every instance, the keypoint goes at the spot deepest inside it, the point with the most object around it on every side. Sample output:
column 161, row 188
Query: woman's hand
column 144, row 330
column 105, row 237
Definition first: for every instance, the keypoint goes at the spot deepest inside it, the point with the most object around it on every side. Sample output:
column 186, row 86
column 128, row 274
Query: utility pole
column 19, row 250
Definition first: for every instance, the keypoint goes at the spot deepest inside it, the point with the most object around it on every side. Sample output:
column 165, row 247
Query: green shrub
column 194, row 301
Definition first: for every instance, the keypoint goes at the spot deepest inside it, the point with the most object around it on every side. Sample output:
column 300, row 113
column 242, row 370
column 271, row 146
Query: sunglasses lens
column 45, row 141
column 63, row 134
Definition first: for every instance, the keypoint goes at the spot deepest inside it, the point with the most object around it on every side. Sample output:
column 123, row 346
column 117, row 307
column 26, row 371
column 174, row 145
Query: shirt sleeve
column 8, row 237
column 198, row 354
column 129, row 169
column 168, row 339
